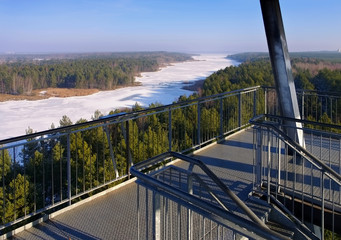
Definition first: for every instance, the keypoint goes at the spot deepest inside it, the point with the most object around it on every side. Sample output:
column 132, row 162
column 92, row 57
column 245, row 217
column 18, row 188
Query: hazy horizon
column 85, row 26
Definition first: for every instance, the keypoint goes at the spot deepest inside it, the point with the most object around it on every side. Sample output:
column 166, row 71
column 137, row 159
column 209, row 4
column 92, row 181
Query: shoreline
column 46, row 93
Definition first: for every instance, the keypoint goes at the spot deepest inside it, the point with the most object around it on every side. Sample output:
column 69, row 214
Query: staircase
column 187, row 193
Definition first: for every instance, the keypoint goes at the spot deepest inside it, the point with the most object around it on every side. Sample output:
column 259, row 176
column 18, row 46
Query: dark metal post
column 221, row 118
column 199, row 119
column 170, row 129
column 239, row 110
column 281, row 65
column 128, row 153
column 68, row 168
column 254, row 103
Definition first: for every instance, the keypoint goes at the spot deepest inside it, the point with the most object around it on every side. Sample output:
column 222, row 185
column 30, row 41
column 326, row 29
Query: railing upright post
column 111, row 150
column 68, row 168
column 138, row 210
column 331, row 108
column 279, row 165
column 322, row 209
column 265, row 101
column 254, row 103
column 199, row 120
column 156, row 216
column 128, row 153
column 221, row 118
column 239, row 109
column 269, row 164
column 189, row 211
column 302, row 105
column 258, row 170
column 169, row 129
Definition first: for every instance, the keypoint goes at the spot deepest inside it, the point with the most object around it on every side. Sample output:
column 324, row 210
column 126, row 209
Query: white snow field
column 164, row 86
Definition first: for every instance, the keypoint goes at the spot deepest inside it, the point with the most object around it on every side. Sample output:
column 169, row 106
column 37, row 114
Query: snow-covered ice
column 164, row 86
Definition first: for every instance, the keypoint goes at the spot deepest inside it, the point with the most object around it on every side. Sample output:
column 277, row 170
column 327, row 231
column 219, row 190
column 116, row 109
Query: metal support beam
column 281, row 65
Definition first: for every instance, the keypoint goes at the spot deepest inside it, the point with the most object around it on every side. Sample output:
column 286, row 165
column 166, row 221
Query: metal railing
column 314, row 105
column 45, row 171
column 305, row 180
column 183, row 205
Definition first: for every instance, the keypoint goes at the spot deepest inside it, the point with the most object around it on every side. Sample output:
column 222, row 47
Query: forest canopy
column 21, row 74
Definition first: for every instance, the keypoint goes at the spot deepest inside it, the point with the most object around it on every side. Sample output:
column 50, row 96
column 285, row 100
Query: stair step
column 280, row 229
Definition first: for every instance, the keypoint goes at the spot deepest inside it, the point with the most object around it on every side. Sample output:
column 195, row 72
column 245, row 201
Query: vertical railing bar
column 128, row 151
column 69, row 167
column 147, row 217
column 170, row 129
column 239, row 110
column 189, row 211
column 43, row 162
column 24, row 162
column 35, row 185
column 286, row 166
column 76, row 165
column 3, row 187
column 179, row 220
column 254, row 103
column 83, row 165
column 268, row 165
column 14, row 185
column 90, row 166
column 199, row 121
column 278, row 182
column 340, row 169
column 265, row 101
column 312, row 178
column 254, row 131
column 52, row 178
column 97, row 161
column 330, row 165
column 103, row 150
column 221, row 117
column 316, row 104
column 331, row 108
column 294, row 180
column 204, row 228
column 60, row 173
column 211, row 229
column 164, row 215
column 138, row 210
column 333, row 211
column 302, row 109
column 302, row 199
column 322, row 210
column 171, row 219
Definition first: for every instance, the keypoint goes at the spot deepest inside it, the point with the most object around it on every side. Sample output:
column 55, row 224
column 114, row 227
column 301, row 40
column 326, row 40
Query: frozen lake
column 164, row 86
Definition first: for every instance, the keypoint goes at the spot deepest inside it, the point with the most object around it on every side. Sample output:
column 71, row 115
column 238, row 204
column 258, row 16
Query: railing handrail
column 309, row 157
column 136, row 170
column 122, row 117
column 316, row 92
column 326, row 125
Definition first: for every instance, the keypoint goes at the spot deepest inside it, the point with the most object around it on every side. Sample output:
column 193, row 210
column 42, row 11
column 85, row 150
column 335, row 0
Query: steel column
column 281, row 65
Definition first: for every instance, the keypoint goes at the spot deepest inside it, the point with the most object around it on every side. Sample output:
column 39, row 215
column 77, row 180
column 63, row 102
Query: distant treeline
column 307, row 75
column 330, row 56
column 23, row 74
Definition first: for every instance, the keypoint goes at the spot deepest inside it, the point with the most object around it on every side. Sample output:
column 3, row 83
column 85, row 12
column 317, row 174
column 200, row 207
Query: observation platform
column 114, row 215
column 223, row 192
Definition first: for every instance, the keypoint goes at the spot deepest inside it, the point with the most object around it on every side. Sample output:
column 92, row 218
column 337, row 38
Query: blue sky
column 32, row 26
